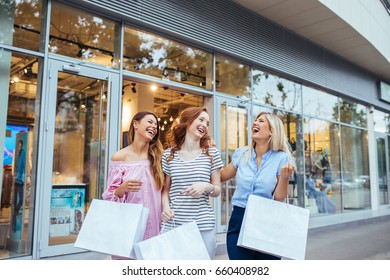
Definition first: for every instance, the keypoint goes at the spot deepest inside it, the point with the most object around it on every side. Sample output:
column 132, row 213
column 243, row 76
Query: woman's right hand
column 167, row 214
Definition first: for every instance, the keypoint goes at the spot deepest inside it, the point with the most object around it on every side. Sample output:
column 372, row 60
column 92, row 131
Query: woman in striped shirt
column 191, row 167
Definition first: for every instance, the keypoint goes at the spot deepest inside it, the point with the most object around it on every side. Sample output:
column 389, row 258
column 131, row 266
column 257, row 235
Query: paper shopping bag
column 181, row 243
column 274, row 227
column 112, row 227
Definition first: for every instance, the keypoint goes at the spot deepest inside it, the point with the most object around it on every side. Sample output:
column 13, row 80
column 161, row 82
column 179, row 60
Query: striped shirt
column 183, row 174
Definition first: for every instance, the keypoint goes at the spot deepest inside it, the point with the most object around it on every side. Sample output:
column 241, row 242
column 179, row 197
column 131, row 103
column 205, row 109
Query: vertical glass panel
column 322, row 165
column 83, row 35
column 157, row 56
column 355, row 180
column 165, row 102
column 20, row 22
column 79, row 154
column 18, row 139
column 381, row 121
column 382, row 171
column 226, row 157
column 353, row 113
column 236, row 136
column 275, row 91
column 386, row 193
column 233, row 77
column 320, row 104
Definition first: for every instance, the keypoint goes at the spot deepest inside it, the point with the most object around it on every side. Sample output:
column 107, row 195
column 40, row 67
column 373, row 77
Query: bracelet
column 211, row 190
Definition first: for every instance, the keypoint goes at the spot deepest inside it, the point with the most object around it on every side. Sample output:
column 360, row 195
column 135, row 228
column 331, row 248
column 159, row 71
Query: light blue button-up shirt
column 250, row 180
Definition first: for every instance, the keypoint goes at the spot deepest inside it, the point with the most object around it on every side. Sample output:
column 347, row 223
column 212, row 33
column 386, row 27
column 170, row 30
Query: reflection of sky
column 268, row 87
column 319, row 104
column 380, row 121
column 10, row 143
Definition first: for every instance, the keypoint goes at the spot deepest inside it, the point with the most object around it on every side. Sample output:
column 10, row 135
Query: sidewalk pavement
column 367, row 239
column 364, row 239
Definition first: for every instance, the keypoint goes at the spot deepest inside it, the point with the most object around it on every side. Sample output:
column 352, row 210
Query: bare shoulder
column 120, row 155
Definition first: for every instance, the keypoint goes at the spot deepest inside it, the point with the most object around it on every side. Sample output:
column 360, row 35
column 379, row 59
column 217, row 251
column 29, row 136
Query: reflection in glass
column 381, row 121
column 157, row 56
column 85, row 36
column 275, row 91
column 353, row 113
column 232, row 77
column 322, row 166
column 320, row 104
column 19, row 132
column 79, row 141
column 20, row 23
column 232, row 137
column 382, row 170
column 355, row 180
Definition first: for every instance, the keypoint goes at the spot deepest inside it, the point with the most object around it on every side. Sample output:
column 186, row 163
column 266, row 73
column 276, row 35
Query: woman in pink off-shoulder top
column 135, row 172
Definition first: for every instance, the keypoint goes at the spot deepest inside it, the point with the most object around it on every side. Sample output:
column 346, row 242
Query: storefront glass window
column 18, row 139
column 381, row 122
column 353, row 113
column 322, row 166
column 82, row 35
column 165, row 102
column 20, row 23
column 274, row 91
column 355, row 180
column 153, row 55
column 319, row 104
column 232, row 77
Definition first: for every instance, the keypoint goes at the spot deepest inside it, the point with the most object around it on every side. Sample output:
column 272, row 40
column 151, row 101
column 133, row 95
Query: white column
column 372, row 159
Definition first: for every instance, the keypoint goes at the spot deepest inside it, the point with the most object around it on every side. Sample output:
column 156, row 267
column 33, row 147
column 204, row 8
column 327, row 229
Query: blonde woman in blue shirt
column 262, row 169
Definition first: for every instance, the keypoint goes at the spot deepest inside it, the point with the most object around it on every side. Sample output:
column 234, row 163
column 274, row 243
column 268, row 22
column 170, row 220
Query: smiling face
column 200, row 126
column 146, row 127
column 261, row 129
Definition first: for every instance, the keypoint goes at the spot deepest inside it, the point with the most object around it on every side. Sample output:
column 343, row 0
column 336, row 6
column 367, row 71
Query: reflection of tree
column 387, row 122
column 157, row 56
column 233, row 77
column 350, row 113
column 287, row 91
column 25, row 17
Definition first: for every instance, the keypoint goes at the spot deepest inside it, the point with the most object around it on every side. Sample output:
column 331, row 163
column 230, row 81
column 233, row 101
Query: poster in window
column 67, row 209
column 19, row 185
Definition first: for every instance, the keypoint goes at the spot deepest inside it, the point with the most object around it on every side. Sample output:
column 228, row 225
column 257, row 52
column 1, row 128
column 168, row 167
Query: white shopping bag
column 181, row 243
column 274, row 227
column 113, row 227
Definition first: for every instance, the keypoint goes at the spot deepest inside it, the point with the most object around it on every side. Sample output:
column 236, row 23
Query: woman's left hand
column 287, row 170
column 196, row 190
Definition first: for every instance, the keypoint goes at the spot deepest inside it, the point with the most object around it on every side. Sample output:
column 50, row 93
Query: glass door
column 76, row 144
column 383, row 156
column 233, row 117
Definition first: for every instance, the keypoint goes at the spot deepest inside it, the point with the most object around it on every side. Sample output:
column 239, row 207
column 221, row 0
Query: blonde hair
column 278, row 140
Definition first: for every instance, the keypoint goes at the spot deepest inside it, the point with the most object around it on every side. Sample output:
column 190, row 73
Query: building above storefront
column 360, row 34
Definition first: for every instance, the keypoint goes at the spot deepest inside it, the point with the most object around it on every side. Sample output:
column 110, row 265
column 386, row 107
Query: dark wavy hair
column 176, row 135
column 155, row 149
